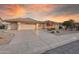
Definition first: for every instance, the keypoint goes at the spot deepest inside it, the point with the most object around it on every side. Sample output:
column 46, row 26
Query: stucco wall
column 25, row 26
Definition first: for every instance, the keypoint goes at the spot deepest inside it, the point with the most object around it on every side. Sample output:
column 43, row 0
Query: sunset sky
column 54, row 12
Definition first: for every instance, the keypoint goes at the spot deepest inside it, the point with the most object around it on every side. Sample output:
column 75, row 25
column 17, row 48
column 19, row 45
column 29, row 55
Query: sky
column 41, row 12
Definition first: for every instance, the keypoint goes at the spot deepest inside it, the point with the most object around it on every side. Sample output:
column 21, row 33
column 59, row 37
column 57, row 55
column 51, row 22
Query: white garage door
column 23, row 26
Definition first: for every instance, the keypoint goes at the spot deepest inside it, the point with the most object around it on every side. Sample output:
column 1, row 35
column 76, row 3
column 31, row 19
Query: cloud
column 39, row 7
column 67, row 9
column 39, row 11
column 11, row 11
column 56, row 12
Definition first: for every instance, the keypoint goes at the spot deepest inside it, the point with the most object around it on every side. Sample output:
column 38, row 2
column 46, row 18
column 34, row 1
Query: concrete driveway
column 35, row 42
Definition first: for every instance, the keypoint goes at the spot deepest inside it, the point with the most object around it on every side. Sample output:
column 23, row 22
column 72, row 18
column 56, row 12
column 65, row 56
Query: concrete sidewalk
column 32, row 42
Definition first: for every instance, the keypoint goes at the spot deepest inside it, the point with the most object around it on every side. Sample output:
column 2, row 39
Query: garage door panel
column 23, row 26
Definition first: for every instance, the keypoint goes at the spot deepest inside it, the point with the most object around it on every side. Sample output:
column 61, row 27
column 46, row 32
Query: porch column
column 36, row 26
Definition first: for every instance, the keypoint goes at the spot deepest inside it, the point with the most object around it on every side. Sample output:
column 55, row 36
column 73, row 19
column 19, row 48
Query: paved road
column 71, row 48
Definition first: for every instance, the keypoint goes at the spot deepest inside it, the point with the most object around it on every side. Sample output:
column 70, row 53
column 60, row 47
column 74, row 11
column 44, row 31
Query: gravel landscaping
column 5, row 37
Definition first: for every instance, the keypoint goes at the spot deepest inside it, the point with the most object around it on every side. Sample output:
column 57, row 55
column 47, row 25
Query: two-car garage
column 24, row 26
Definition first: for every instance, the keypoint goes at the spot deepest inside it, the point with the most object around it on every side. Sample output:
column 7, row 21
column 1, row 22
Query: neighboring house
column 77, row 26
column 24, row 24
column 52, row 24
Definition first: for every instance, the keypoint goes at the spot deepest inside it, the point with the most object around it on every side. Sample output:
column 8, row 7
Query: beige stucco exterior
column 25, row 26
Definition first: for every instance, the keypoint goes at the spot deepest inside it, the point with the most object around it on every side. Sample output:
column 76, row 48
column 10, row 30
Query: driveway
column 35, row 42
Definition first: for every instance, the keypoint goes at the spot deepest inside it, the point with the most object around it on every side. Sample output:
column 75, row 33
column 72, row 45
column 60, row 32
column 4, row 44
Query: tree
column 70, row 24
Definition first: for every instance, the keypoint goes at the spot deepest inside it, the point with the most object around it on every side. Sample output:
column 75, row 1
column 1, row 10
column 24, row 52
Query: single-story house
column 24, row 24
